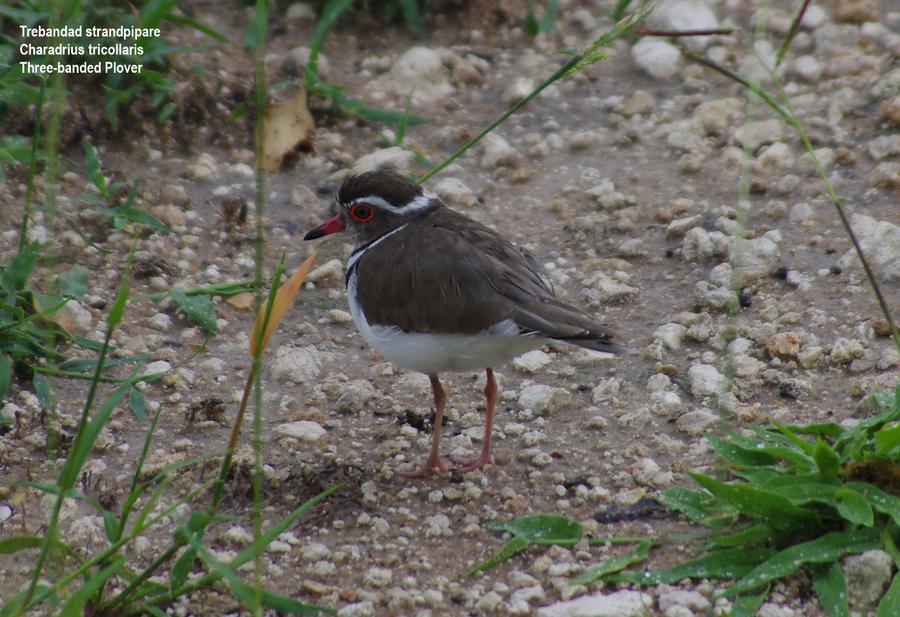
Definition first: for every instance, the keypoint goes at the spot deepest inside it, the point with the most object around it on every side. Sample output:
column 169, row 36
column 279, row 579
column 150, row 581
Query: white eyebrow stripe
column 419, row 203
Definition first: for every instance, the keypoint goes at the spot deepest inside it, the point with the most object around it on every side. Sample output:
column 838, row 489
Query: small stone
column 337, row 316
column 672, row 596
column 543, row 400
column 845, row 350
column 304, row 430
column 161, row 322
column 679, row 227
column 297, row 364
column 770, row 609
column 886, row 175
column 355, row 397
column 890, row 110
column 298, row 59
column 315, row 551
column 160, row 366
column 671, row 335
column 754, row 258
column 74, row 318
column 881, row 327
column 755, row 134
column 718, row 115
column 884, row 146
column 699, row 244
column 391, row 159
column 640, row 102
column 811, row 357
column 801, row 212
column 238, row 535
column 747, row 366
column 454, row 192
column 697, row 422
column 887, row 359
column 532, row 361
column 606, row 390
column 706, row 380
column 517, row 90
column 625, row 603
column 784, row 345
column 173, row 216
column 856, row 11
column 656, row 57
column 300, row 11
column 420, row 71
column 330, row 270
column 496, row 152
column 867, row 575
column 378, row 577
column 808, row 68
column 685, row 15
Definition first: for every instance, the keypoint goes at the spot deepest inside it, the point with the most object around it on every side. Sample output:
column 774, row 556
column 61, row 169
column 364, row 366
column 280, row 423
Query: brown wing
column 448, row 273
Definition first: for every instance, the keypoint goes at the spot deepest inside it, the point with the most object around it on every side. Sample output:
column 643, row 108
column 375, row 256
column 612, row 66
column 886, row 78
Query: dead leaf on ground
column 283, row 298
column 242, row 301
column 289, row 129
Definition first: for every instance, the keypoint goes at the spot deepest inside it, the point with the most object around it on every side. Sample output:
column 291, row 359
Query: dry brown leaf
column 242, row 301
column 61, row 317
column 289, row 129
column 283, row 298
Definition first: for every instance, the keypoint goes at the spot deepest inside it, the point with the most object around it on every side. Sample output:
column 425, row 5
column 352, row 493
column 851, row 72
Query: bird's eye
column 362, row 213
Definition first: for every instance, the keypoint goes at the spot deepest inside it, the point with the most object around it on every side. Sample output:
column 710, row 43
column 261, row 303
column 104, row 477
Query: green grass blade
column 880, row 500
column 199, row 27
column 824, row 549
column 14, row 544
column 620, row 9
column 81, row 448
column 615, row 564
column 548, row 19
column 890, row 601
column 739, row 455
column 767, row 506
column 92, row 164
column 831, row 589
column 513, row 546
column 133, row 215
column 541, row 529
column 724, row 564
column 138, row 404
column 854, row 507
column 246, row 594
column 18, row 270
column 199, row 308
column 75, row 606
column 411, row 14
column 330, row 13
column 74, row 283
column 752, row 535
column 827, row 460
column 747, row 605
column 5, row 374
column 698, row 506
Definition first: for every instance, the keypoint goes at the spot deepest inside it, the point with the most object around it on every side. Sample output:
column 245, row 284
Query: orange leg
column 434, row 457
column 485, row 458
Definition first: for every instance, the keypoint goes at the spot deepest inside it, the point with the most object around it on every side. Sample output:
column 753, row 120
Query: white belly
column 434, row 353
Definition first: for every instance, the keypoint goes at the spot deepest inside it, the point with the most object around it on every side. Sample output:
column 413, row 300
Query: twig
column 795, row 25
column 677, row 33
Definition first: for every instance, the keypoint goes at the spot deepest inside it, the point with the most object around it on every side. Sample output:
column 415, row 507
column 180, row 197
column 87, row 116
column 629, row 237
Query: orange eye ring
column 362, row 213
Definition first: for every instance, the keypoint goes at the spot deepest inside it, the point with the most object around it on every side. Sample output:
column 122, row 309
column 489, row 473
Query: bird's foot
column 465, row 465
column 432, row 462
